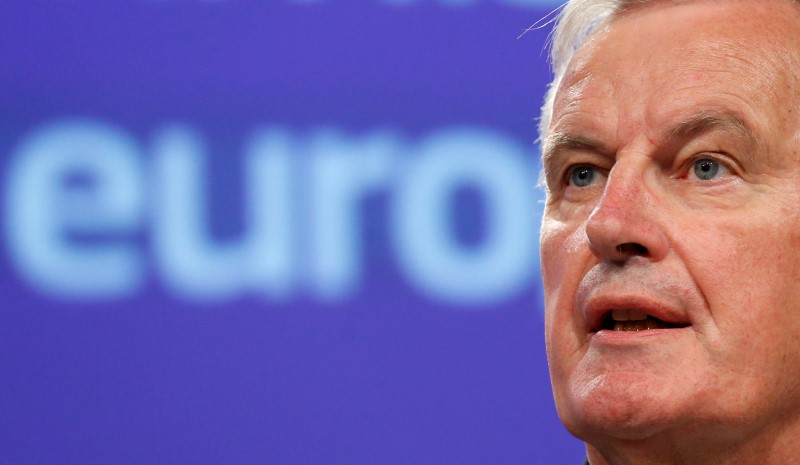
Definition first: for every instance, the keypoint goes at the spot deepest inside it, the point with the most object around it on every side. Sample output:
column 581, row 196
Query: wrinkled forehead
column 764, row 33
column 743, row 49
column 631, row 6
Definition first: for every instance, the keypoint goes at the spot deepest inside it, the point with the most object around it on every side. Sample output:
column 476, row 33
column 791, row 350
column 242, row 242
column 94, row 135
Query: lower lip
column 610, row 337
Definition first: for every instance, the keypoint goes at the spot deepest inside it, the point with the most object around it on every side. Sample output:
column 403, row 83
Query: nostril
column 632, row 248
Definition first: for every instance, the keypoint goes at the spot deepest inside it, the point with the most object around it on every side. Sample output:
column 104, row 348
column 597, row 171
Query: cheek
column 748, row 272
column 754, row 269
column 561, row 251
column 563, row 256
column 553, row 267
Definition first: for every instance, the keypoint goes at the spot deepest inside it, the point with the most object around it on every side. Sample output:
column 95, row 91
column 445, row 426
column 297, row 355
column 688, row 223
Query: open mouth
column 635, row 320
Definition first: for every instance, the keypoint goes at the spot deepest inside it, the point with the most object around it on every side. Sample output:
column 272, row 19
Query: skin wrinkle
column 710, row 120
column 692, row 127
column 564, row 41
column 725, row 389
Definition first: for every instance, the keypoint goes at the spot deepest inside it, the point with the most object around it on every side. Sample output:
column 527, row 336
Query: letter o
column 428, row 251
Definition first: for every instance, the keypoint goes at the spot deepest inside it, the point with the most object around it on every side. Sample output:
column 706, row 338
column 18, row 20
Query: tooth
column 620, row 315
column 619, row 326
column 636, row 315
column 651, row 324
column 629, row 326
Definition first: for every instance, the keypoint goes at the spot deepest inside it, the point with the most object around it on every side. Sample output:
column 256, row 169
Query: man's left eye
column 706, row 169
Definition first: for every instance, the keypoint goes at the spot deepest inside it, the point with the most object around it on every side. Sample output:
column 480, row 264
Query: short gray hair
column 577, row 20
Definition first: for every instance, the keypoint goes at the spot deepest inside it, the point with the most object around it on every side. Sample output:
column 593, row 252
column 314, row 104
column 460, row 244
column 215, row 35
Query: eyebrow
column 691, row 127
column 565, row 141
column 708, row 121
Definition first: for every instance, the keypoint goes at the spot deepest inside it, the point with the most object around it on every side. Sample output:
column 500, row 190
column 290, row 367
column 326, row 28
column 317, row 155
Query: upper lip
column 598, row 308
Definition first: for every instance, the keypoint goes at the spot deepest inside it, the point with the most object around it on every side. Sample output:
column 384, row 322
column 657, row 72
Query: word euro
column 90, row 214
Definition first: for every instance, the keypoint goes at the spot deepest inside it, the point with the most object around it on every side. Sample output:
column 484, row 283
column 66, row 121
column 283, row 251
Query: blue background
column 402, row 323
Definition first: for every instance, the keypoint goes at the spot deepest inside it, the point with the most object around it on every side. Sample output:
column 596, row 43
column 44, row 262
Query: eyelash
column 686, row 170
column 571, row 169
column 716, row 157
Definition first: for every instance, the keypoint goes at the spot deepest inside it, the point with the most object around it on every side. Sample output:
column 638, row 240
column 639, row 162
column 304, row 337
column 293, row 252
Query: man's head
column 672, row 160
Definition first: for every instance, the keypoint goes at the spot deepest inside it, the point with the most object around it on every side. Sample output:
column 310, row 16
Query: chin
column 625, row 406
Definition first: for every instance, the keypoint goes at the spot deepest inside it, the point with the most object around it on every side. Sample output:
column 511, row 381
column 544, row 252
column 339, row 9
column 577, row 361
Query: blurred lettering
column 72, row 181
column 193, row 265
column 83, row 198
column 342, row 172
column 433, row 258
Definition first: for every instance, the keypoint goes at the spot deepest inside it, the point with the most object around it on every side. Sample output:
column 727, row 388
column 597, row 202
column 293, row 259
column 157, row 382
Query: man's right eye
column 582, row 176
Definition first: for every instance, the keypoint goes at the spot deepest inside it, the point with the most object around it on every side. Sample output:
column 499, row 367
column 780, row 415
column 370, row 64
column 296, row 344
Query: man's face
column 673, row 174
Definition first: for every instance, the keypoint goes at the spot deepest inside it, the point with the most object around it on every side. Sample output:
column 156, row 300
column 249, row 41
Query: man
column 671, row 235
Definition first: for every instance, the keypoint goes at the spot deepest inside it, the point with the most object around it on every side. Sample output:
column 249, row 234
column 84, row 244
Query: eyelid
column 556, row 169
column 600, row 175
column 559, row 165
column 566, row 176
column 572, row 160
column 725, row 161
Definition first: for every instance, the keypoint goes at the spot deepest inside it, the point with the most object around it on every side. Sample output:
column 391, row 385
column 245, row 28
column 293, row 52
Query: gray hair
column 577, row 20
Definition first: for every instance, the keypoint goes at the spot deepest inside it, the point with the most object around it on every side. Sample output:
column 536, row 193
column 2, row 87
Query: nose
column 627, row 220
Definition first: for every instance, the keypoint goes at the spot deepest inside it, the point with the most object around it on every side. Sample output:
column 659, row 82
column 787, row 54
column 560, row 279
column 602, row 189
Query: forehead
column 662, row 61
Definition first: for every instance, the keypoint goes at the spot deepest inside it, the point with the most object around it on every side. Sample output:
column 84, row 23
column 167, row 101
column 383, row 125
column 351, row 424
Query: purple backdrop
column 294, row 232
